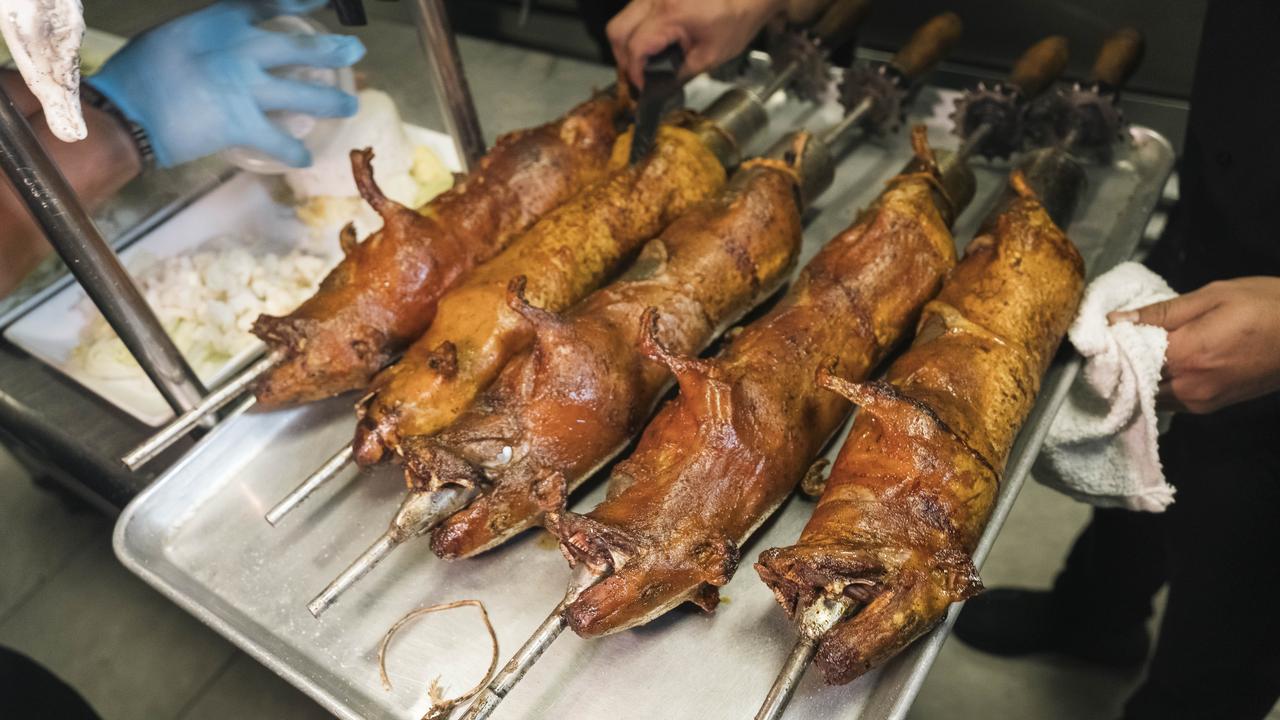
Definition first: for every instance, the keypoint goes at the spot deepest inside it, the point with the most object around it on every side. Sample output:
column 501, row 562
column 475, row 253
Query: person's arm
column 1224, row 343
column 96, row 167
column 710, row 31
column 194, row 86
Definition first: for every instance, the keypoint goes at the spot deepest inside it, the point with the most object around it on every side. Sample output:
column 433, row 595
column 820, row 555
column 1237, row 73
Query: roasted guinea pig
column 914, row 484
column 723, row 455
column 383, row 294
column 578, row 396
column 564, row 256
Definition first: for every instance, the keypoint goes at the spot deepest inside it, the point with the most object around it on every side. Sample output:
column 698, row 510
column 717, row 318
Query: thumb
column 1168, row 314
column 651, row 38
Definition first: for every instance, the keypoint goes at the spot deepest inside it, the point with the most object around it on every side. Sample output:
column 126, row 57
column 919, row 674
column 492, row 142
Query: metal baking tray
column 197, row 534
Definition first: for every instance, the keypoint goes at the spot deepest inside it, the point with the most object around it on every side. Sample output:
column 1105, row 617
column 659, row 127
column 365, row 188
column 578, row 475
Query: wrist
column 91, row 95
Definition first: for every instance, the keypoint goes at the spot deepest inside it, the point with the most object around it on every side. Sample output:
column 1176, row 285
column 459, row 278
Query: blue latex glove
column 200, row 83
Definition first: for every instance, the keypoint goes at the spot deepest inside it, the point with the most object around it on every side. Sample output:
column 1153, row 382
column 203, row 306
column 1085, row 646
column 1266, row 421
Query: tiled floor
column 65, row 600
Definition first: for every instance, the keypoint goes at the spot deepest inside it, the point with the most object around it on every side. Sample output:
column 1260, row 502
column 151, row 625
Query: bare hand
column 709, row 31
column 1224, row 343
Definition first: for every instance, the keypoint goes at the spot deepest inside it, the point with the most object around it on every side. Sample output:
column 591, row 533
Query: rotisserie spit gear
column 914, row 484
column 722, row 456
column 384, row 293
column 564, row 256
column 586, row 387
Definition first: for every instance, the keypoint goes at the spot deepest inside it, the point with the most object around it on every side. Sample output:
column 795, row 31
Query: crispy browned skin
column 722, row 456
column 914, row 484
column 578, row 396
column 383, row 294
column 565, row 255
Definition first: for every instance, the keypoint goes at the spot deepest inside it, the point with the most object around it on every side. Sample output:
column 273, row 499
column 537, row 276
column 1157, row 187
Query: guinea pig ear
column 362, row 173
column 544, row 322
column 700, row 389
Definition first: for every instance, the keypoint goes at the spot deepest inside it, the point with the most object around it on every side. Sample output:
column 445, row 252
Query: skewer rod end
column 784, row 686
column 356, row 570
column 418, row 513
column 298, row 495
column 177, row 428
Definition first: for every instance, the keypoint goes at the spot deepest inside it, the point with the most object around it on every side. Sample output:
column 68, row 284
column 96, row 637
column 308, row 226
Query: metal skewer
column 990, row 119
column 1085, row 118
column 189, row 420
column 421, row 511
column 326, row 472
column 873, row 94
column 1058, row 180
column 546, row 633
column 802, row 58
column 813, row 623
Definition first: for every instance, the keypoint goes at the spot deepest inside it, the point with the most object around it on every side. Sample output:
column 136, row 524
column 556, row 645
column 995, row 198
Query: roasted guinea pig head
column 321, row 360
column 721, row 457
column 383, row 294
column 914, row 485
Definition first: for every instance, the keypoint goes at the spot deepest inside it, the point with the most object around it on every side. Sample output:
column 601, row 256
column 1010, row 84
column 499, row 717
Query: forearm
column 96, row 167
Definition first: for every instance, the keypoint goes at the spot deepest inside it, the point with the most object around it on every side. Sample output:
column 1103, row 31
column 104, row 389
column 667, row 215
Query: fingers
column 641, row 30
column 621, row 27
column 1167, row 400
column 1168, row 314
column 263, row 135
column 274, row 49
column 275, row 93
column 651, row 38
column 1190, row 380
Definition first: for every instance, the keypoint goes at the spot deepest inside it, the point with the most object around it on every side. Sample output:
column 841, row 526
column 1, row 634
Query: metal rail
column 449, row 80
column 66, row 224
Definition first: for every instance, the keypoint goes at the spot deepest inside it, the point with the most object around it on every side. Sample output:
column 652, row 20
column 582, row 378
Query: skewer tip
column 332, row 467
column 417, row 514
column 367, row 561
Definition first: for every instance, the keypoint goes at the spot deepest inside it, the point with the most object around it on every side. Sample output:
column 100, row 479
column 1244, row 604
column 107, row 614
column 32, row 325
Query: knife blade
column 662, row 89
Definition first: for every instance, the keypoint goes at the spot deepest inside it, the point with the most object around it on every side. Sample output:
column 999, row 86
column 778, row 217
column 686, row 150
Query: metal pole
column 67, row 226
column 450, row 83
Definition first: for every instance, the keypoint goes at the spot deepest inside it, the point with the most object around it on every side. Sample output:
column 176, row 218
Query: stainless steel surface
column 815, row 162
column 313, row 482
column 739, row 113
column 784, row 686
column 197, row 534
column 839, row 137
column 532, row 649
column 441, row 48
column 57, row 210
column 166, row 436
column 418, row 514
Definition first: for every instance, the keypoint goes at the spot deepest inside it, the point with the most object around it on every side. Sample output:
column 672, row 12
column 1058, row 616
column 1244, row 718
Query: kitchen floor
column 67, row 602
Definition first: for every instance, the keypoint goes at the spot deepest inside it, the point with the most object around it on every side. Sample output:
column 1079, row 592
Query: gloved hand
column 200, row 83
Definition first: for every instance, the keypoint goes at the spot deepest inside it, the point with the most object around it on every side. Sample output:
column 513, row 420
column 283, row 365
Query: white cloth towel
column 1101, row 448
